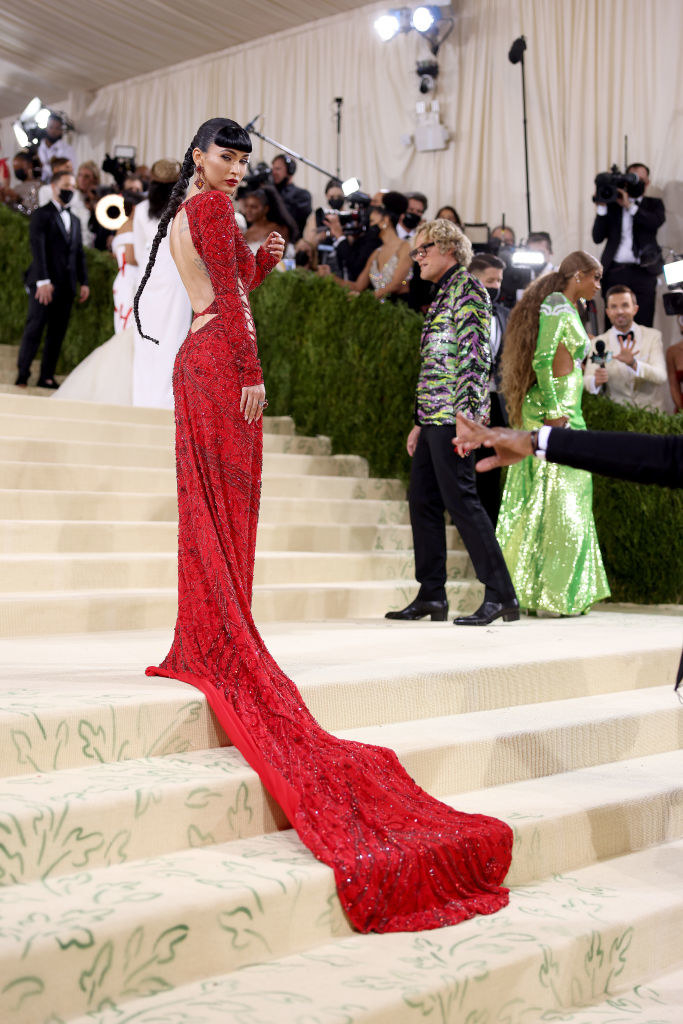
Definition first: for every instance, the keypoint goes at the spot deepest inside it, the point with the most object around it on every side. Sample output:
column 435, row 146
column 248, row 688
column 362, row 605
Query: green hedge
column 90, row 324
column 346, row 367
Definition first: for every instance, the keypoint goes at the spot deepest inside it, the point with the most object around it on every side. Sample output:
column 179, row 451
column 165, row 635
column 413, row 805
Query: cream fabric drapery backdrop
column 596, row 70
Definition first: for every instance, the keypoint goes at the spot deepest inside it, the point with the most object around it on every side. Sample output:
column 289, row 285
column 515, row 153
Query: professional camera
column 259, row 175
column 354, row 221
column 673, row 275
column 608, row 184
column 121, row 165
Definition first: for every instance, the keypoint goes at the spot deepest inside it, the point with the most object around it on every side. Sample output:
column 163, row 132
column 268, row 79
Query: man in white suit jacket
column 631, row 366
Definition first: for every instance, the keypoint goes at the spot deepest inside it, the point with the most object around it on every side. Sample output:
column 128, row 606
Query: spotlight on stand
column 433, row 22
column 31, row 125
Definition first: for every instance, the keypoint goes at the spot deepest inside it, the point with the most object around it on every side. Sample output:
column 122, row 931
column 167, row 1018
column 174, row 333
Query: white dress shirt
column 624, row 253
column 58, row 148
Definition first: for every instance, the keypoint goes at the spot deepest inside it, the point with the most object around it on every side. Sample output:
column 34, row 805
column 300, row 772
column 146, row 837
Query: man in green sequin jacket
column 455, row 364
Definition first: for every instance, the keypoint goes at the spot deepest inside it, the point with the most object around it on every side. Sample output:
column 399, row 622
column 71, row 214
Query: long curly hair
column 223, row 132
column 521, row 334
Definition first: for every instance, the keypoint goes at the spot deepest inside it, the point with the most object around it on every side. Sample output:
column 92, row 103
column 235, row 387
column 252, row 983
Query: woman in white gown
column 164, row 306
column 106, row 375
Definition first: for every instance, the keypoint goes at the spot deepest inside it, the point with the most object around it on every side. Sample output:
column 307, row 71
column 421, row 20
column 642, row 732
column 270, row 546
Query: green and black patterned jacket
column 455, row 352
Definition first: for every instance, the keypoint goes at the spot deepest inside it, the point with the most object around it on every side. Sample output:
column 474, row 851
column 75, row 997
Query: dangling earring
column 199, row 181
column 577, row 276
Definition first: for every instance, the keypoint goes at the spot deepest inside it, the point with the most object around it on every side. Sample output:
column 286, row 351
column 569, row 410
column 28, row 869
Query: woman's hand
column 253, row 402
column 275, row 245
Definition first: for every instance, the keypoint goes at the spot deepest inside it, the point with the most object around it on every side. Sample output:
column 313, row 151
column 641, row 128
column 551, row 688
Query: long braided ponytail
column 225, row 133
column 174, row 201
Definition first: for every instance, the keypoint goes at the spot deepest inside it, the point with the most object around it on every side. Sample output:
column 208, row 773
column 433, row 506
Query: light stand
column 516, row 56
column 338, row 102
column 285, row 149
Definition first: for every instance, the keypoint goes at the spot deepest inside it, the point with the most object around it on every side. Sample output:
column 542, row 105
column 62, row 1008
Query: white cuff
column 593, row 387
column 39, row 284
column 601, row 209
column 542, row 442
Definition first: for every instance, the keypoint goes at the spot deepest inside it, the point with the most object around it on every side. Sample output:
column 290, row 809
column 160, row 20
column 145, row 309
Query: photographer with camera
column 297, row 200
column 53, row 144
column 629, row 220
column 324, row 230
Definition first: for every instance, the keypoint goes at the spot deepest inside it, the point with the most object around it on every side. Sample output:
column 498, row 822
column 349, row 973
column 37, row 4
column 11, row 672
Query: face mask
column 66, row 195
column 494, row 294
column 373, row 231
column 411, row 220
column 336, row 202
column 21, row 174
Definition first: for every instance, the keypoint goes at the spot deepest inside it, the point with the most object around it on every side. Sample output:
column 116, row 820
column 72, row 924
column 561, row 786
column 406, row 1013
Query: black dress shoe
column 419, row 609
column 21, row 382
column 48, row 383
column 488, row 612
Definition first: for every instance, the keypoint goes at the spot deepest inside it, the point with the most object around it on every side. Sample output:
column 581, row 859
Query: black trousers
column 638, row 280
column 56, row 317
column 488, row 484
column 442, row 481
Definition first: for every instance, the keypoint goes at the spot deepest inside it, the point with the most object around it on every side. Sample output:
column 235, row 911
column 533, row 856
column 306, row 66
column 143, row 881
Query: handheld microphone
column 600, row 352
column 250, row 127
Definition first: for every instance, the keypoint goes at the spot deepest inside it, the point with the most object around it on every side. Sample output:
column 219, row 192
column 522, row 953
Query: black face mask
column 411, row 220
column 66, row 195
column 373, row 231
column 21, row 174
column 336, row 202
column 494, row 293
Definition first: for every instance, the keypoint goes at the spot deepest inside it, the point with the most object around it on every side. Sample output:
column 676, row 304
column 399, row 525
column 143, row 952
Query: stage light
column 350, row 186
column 42, row 117
column 20, row 135
column 31, row 109
column 527, row 258
column 387, row 26
column 423, row 18
column 673, row 273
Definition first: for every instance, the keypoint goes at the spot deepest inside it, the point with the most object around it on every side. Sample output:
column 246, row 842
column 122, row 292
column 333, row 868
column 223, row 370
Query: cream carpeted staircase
column 145, row 875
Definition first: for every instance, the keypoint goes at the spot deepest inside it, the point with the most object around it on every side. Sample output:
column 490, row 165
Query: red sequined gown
column 402, row 860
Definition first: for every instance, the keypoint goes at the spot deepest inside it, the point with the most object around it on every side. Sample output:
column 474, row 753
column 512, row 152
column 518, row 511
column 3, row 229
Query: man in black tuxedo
column 51, row 281
column 489, row 269
column 631, row 255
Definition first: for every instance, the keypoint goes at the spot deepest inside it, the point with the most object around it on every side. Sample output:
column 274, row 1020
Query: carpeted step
column 38, row 613
column 126, row 506
column 88, row 536
column 118, row 940
column 146, row 569
column 21, row 404
column 70, row 477
column 73, row 701
column 129, row 810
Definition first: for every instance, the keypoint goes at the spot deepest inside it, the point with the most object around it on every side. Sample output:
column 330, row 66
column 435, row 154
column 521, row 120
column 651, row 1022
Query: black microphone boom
column 285, row 149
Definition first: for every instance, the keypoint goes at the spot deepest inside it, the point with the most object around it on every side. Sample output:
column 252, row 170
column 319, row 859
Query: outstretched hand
column 275, row 245
column 510, row 445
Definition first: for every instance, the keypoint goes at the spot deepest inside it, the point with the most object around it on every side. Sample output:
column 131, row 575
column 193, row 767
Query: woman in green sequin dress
column 545, row 527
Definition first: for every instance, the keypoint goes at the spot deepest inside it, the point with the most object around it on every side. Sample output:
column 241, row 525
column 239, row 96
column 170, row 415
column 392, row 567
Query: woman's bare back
column 191, row 267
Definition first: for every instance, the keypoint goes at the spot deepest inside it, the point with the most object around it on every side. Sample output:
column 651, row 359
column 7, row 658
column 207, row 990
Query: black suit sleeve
column 37, row 233
column 651, row 215
column 641, row 458
column 600, row 228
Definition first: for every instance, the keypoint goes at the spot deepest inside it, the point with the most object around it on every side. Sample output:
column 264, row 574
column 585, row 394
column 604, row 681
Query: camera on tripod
column 609, row 183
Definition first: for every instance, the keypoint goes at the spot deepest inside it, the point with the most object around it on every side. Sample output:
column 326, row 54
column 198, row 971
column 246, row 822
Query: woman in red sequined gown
column 402, row 860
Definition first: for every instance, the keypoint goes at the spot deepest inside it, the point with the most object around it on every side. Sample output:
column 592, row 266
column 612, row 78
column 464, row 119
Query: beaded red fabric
column 402, row 860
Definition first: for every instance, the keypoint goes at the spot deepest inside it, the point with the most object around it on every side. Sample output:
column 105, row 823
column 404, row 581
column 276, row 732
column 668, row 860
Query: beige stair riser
column 60, row 536
column 122, row 506
column 549, row 837
column 91, row 449
column 75, row 612
column 150, row 570
column 45, row 406
column 44, row 476
column 74, row 455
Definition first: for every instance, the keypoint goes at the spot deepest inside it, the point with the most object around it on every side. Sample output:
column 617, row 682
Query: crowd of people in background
column 364, row 242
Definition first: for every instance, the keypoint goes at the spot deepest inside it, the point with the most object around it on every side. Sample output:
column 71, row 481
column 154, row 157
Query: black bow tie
column 625, row 337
